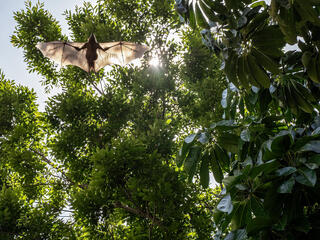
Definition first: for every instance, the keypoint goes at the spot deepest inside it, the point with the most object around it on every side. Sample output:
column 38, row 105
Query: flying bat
column 91, row 56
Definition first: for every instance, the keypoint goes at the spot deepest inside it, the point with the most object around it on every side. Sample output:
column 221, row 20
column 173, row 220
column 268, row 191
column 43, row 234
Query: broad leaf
column 224, row 125
column 192, row 160
column 312, row 146
column 190, row 138
column 229, row 142
column 282, row 142
column 245, row 135
column 216, row 168
column 285, row 171
column 225, row 205
column 203, row 138
column 264, row 168
column 286, row 186
column 257, row 224
column 204, row 171
column 308, row 177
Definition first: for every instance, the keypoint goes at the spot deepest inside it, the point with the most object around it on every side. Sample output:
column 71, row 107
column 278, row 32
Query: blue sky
column 11, row 60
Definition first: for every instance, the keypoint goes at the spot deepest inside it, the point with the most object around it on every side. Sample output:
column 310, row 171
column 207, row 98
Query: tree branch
column 65, row 177
column 140, row 213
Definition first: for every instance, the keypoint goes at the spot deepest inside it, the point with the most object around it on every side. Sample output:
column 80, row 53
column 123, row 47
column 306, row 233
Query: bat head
column 92, row 38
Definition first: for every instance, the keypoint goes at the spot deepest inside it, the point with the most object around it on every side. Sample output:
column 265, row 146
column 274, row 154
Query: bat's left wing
column 65, row 53
column 118, row 53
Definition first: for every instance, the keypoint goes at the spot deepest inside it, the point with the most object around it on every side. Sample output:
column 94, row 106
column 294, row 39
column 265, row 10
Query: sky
column 11, row 58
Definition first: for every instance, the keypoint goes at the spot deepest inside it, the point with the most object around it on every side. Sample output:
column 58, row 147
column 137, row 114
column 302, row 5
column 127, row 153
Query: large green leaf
column 256, row 206
column 257, row 224
column 269, row 40
column 225, row 204
column 282, row 142
column 264, row 168
column 204, row 171
column 315, row 159
column 245, row 135
column 307, row 177
column 286, row 186
column 229, row 142
column 192, row 160
column 285, row 171
column 203, row 138
column 181, row 156
column 312, row 146
column 224, row 125
column 241, row 214
column 222, row 157
column 190, row 138
column 216, row 168
column 302, row 141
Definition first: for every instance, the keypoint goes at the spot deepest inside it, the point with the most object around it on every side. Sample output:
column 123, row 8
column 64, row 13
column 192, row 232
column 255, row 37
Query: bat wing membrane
column 118, row 53
column 65, row 53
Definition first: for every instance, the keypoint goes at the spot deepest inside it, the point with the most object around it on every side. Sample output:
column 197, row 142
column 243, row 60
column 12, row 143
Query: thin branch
column 64, row 176
column 94, row 85
column 140, row 213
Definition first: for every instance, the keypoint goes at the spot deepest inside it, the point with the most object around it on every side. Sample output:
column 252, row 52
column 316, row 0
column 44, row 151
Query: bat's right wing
column 65, row 53
column 118, row 53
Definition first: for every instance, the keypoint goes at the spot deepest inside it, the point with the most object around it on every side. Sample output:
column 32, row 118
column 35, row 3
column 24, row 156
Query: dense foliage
column 265, row 150
column 127, row 153
column 99, row 162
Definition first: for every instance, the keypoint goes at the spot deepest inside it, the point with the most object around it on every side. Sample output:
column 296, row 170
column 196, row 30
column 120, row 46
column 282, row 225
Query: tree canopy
column 129, row 152
column 99, row 162
column 265, row 149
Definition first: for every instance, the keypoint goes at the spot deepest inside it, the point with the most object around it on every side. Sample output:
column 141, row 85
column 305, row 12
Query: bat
column 91, row 56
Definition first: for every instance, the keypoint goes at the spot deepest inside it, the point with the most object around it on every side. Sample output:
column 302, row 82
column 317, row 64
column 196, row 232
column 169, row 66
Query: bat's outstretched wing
column 65, row 53
column 118, row 53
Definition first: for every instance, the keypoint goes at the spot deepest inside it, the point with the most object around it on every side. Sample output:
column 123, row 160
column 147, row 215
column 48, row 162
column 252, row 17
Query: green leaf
column 256, row 206
column 192, row 160
column 224, row 125
column 257, row 224
column 312, row 146
column 264, row 168
column 308, row 177
column 240, row 215
column 286, row 186
column 183, row 153
column 245, row 135
column 225, row 205
column 314, row 159
column 222, row 157
column 269, row 40
column 302, row 142
column 200, row 19
column 311, row 165
column 215, row 167
column 281, row 142
column 229, row 142
column 217, row 216
column 190, row 138
column 203, row 138
column 231, row 181
column 285, row 171
column 204, row 171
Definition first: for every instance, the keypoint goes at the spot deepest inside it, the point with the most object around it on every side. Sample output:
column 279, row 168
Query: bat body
column 91, row 56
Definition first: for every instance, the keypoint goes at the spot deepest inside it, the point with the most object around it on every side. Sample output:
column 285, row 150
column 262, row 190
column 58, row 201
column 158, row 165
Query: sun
column 154, row 61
